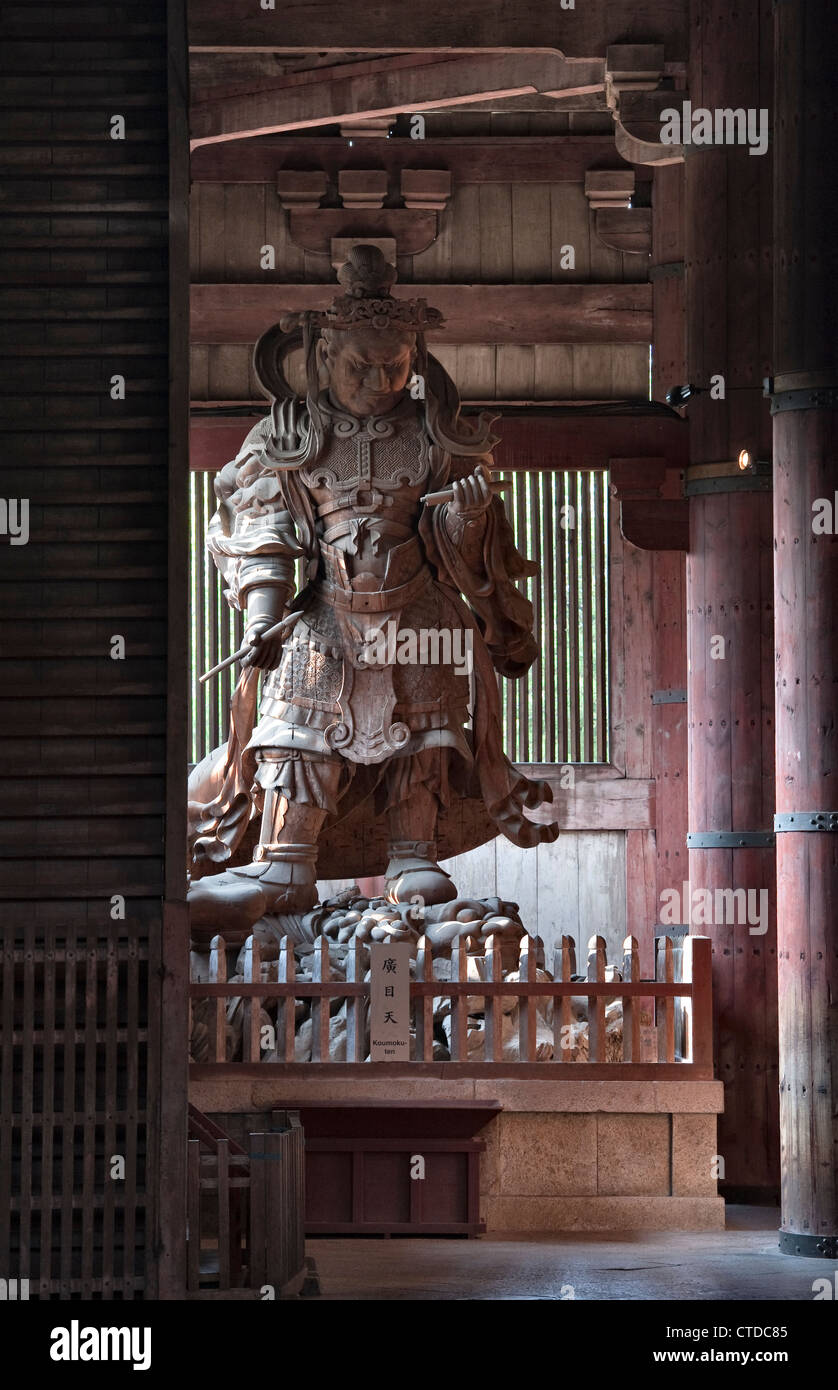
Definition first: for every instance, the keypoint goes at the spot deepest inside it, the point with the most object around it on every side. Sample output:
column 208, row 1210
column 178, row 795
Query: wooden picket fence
column 682, row 1009
column 245, row 1209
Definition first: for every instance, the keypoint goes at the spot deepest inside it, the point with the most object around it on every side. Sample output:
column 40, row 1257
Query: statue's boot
column 223, row 904
column 282, row 877
column 413, row 873
column 286, row 876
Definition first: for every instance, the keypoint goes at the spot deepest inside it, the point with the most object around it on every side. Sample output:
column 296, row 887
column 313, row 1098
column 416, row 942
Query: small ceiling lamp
column 677, row 396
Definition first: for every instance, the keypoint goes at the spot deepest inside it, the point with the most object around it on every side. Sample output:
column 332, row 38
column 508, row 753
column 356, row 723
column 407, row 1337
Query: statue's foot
column 231, row 902
column 287, row 884
column 223, row 905
column 412, row 873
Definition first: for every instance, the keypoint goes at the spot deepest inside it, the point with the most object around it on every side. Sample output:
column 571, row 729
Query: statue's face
column 369, row 368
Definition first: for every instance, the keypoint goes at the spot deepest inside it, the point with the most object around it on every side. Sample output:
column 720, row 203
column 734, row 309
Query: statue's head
column 364, row 349
column 367, row 369
column 368, row 339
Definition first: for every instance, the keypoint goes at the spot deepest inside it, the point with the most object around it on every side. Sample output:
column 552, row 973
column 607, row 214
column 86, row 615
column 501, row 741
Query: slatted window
column 559, row 712
column 215, row 629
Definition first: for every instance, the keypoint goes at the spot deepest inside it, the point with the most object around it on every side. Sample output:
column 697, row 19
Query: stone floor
column 740, row 1263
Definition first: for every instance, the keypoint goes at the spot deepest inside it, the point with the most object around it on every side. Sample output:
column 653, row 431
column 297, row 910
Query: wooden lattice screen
column 73, row 1215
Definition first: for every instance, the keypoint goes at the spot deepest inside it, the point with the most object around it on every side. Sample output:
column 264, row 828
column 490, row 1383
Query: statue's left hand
column 472, row 496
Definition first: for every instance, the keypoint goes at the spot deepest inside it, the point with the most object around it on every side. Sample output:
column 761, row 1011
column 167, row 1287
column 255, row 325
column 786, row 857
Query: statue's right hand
column 265, row 654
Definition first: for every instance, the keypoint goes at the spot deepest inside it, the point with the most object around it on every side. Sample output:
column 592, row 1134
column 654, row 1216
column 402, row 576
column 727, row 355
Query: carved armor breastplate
column 366, row 488
column 374, row 468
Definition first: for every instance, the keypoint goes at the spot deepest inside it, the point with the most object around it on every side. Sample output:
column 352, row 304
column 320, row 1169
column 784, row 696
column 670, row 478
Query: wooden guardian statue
column 376, row 744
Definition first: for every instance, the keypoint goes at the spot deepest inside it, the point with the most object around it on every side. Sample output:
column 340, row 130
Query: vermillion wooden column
column 729, row 579
column 806, row 597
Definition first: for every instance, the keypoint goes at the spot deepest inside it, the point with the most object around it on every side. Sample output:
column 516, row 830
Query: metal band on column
column 730, row 839
column 787, row 821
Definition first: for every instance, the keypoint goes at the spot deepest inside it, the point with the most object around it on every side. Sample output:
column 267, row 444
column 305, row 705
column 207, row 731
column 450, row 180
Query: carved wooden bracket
column 616, row 222
column 661, row 523
column 636, row 477
column 362, row 188
column 632, row 89
column 363, row 215
column 647, row 519
column 412, row 231
column 632, row 67
column 301, row 188
column 426, row 188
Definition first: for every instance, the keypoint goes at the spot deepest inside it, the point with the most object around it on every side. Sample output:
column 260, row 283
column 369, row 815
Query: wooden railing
column 676, row 1040
column 245, row 1210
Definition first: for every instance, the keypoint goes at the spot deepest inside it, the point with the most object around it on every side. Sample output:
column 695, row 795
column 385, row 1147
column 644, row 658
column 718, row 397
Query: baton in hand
column 433, row 499
column 280, row 627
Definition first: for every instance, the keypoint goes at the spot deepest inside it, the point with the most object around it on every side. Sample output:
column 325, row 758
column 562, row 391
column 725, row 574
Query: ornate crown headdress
column 367, row 301
column 366, row 277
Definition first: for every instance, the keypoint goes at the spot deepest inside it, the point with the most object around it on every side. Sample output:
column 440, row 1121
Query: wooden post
column 665, row 1012
column 355, row 1007
column 493, row 1016
column 320, row 1005
column 286, row 1008
column 564, row 968
column 251, row 1030
column 805, row 406
column 729, row 591
column 259, row 1215
column 596, row 1003
column 223, row 1211
column 459, row 1002
column 423, row 1005
column 218, row 1016
column 698, row 1009
column 193, row 1214
column 631, row 1007
column 527, row 1023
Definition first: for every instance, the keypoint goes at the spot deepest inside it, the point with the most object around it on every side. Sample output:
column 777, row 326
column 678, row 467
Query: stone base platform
column 570, row 1155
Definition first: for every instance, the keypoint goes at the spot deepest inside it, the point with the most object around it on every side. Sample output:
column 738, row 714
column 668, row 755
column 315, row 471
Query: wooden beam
column 382, row 87
column 547, row 159
column 299, row 26
column 530, row 439
column 616, row 803
column 521, row 314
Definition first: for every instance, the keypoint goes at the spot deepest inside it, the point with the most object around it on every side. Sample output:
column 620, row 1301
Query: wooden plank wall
column 574, row 887
column 85, row 291
column 501, row 233
column 482, row 371
column 490, row 233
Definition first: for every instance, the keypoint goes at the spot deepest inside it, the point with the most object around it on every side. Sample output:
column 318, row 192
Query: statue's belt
column 369, row 594
column 378, row 600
